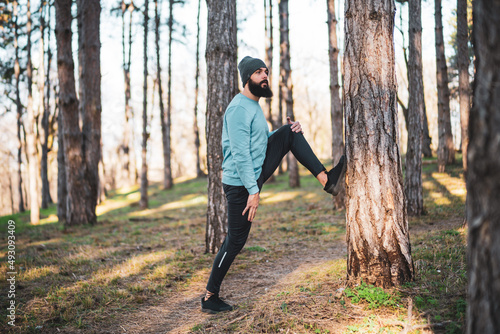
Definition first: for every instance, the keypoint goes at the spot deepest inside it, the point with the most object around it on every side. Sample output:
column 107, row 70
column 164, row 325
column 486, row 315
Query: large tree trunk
column 127, row 147
column 286, row 88
column 446, row 150
column 483, row 183
column 413, row 178
column 90, row 98
column 31, row 146
column 143, row 203
column 268, row 29
column 199, row 172
column 166, row 121
column 68, row 112
column 463, row 76
column 222, row 85
column 377, row 226
column 335, row 102
column 17, row 73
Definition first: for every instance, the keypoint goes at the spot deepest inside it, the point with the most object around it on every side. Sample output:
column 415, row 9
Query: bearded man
column 251, row 155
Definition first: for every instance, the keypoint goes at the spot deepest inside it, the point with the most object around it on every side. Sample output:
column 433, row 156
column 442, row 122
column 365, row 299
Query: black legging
column 278, row 145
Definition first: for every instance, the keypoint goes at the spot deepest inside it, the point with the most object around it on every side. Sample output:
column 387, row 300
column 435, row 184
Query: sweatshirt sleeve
column 239, row 122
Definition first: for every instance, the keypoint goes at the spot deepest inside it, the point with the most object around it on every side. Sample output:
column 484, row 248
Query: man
column 251, row 155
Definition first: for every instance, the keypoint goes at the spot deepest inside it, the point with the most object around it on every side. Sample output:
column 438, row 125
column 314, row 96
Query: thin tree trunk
column 413, row 177
column 143, row 203
column 62, row 191
column 75, row 203
column 268, row 29
column 286, row 86
column 446, row 150
column 166, row 117
column 222, row 85
column 44, row 128
column 335, row 102
column 31, row 147
column 463, row 79
column 426, row 138
column 199, row 172
column 50, row 125
column 128, row 163
column 90, row 99
column 378, row 242
column 17, row 72
column 483, row 183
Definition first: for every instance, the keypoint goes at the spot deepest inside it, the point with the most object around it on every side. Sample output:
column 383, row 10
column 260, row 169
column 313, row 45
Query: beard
column 259, row 91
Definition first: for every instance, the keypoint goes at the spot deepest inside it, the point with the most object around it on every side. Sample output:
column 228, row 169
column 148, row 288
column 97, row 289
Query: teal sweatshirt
column 244, row 143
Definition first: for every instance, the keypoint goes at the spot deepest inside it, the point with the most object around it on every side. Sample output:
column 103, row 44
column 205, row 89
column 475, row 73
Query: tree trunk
column 426, row 138
column 335, row 102
column 44, row 128
column 463, row 76
column 199, row 172
column 62, row 191
column 268, row 29
column 90, row 98
column 483, row 183
column 31, row 146
column 143, row 203
column 413, row 179
column 222, row 85
column 377, row 226
column 17, row 73
column 128, row 153
column 166, row 119
column 49, row 125
column 286, row 88
column 75, row 203
column 446, row 150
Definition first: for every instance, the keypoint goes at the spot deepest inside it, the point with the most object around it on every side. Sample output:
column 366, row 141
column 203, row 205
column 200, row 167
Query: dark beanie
column 247, row 66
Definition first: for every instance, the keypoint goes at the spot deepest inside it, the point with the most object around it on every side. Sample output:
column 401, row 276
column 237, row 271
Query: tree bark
column 31, row 146
column 19, row 107
column 44, row 128
column 166, row 119
column 75, row 203
column 426, row 138
column 378, row 242
column 90, row 98
column 463, row 76
column 335, row 102
column 128, row 163
column 286, row 87
column 483, row 183
column 143, row 203
column 268, row 29
column 222, row 85
column 62, row 191
column 446, row 150
column 413, row 178
column 199, row 172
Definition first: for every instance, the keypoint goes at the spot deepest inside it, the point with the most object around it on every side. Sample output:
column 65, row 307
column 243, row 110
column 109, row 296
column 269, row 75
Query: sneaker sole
column 340, row 181
column 209, row 311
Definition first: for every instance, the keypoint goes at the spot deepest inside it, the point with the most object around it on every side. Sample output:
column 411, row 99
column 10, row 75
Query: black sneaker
column 214, row 305
column 336, row 177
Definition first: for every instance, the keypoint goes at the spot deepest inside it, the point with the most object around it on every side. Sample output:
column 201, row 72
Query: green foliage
column 375, row 297
column 256, row 249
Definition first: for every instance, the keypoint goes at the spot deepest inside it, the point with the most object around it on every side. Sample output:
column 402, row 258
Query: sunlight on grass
column 34, row 273
column 49, row 220
column 110, row 205
column 281, row 197
column 126, row 190
column 132, row 266
column 455, row 185
column 185, row 202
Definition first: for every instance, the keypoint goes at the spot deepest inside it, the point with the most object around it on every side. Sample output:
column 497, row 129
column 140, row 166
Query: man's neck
column 247, row 93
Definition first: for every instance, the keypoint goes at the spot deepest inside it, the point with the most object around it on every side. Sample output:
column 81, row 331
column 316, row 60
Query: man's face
column 258, row 84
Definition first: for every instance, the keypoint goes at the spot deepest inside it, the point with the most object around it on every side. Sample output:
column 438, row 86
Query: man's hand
column 252, row 205
column 296, row 127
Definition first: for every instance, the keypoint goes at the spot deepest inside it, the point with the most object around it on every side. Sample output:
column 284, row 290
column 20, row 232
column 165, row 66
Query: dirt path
column 180, row 313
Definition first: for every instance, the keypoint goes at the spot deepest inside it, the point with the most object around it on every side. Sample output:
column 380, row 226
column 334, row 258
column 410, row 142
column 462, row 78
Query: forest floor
column 144, row 271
